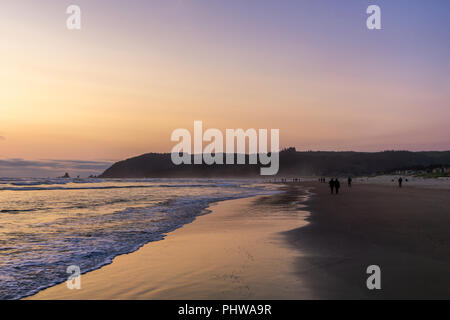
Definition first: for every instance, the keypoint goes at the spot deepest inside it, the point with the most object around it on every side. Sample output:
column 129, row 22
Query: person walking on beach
column 400, row 180
column 337, row 185
column 331, row 183
column 349, row 181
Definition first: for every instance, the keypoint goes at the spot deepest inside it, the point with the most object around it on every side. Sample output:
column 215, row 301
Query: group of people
column 335, row 184
column 284, row 180
column 400, row 181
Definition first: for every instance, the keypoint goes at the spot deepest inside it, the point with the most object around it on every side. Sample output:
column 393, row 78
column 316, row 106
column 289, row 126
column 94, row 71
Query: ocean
column 47, row 225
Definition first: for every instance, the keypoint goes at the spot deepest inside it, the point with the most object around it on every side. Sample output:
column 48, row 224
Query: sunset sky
column 137, row 70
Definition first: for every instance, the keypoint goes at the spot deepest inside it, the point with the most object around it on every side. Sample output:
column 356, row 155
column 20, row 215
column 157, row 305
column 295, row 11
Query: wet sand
column 235, row 252
column 406, row 232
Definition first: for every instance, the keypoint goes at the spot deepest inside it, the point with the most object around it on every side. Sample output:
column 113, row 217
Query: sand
column 406, row 232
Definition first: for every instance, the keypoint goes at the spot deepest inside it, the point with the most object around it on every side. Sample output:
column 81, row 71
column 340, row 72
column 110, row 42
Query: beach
column 301, row 244
column 234, row 252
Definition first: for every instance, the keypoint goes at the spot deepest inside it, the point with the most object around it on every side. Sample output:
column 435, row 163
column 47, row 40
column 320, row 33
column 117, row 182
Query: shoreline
column 303, row 243
column 225, row 254
column 205, row 211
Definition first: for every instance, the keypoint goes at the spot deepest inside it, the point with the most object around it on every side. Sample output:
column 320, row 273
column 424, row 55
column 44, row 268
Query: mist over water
column 47, row 225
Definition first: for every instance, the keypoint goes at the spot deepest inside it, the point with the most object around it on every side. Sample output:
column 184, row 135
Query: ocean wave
column 16, row 210
column 113, row 187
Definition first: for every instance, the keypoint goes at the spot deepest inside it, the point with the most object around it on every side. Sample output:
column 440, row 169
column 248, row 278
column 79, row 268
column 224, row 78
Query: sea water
column 47, row 225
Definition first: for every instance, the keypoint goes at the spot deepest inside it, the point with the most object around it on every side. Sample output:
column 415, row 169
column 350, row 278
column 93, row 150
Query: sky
column 139, row 69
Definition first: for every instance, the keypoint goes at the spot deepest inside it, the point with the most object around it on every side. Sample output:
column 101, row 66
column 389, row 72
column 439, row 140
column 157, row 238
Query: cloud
column 2, row 138
column 50, row 168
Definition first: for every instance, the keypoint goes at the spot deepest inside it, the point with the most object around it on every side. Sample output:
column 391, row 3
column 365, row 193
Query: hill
column 292, row 163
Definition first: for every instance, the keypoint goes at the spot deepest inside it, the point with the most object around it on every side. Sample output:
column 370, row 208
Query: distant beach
column 409, row 181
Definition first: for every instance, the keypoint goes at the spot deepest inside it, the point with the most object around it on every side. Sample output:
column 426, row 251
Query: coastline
column 291, row 245
column 235, row 252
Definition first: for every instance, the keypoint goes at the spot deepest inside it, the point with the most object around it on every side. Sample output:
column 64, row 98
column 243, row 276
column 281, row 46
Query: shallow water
column 47, row 225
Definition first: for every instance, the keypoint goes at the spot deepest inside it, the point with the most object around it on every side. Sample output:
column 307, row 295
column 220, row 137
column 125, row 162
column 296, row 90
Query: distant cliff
column 292, row 163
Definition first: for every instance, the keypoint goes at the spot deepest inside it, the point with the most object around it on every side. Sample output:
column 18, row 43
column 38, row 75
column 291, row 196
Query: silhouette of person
column 400, row 180
column 349, row 181
column 337, row 185
column 331, row 183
